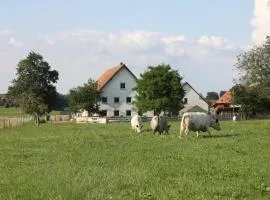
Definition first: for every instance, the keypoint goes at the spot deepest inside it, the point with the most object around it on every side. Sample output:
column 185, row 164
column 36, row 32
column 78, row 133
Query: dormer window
column 122, row 85
column 185, row 100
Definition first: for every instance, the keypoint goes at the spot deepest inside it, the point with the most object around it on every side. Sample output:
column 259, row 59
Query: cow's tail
column 182, row 126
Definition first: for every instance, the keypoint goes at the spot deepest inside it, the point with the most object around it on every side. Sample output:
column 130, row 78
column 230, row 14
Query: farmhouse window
column 128, row 99
column 104, row 99
column 116, row 113
column 122, row 86
column 116, row 99
column 103, row 113
column 128, row 113
column 185, row 100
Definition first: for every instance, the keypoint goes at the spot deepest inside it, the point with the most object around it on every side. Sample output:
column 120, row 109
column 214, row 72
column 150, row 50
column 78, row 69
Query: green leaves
column 159, row 89
column 85, row 97
column 254, row 66
column 33, row 88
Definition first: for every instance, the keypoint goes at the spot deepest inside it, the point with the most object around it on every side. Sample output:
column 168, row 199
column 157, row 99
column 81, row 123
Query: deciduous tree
column 85, row 97
column 159, row 89
column 254, row 77
column 33, row 88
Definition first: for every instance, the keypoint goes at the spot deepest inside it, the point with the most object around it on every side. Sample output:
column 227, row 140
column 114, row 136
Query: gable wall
column 112, row 89
column 194, row 99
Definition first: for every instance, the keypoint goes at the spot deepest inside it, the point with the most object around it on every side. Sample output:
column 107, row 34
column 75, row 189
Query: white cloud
column 81, row 54
column 46, row 39
column 5, row 32
column 139, row 39
column 214, row 41
column 261, row 21
column 174, row 39
column 14, row 42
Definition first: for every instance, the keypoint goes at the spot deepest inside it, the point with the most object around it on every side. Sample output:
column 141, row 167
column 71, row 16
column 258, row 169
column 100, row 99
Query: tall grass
column 95, row 161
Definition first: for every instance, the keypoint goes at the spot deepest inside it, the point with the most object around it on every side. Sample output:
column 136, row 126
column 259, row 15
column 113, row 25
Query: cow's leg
column 187, row 126
column 181, row 132
column 197, row 134
column 208, row 131
column 186, row 131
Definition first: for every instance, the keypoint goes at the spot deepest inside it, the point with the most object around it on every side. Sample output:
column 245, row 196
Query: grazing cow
column 160, row 124
column 136, row 123
column 198, row 121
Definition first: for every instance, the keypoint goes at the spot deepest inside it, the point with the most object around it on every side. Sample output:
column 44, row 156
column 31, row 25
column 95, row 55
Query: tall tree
column 254, row 68
column 85, row 97
column 33, row 88
column 212, row 95
column 247, row 98
column 61, row 102
column 254, row 65
column 250, row 99
column 159, row 89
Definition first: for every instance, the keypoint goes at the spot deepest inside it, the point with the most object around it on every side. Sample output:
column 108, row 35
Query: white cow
column 198, row 121
column 136, row 123
column 159, row 124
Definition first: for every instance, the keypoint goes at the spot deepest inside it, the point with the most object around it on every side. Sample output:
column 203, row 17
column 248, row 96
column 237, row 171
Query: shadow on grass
column 150, row 131
column 220, row 135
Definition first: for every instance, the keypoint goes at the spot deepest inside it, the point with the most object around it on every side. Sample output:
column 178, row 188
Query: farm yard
column 96, row 161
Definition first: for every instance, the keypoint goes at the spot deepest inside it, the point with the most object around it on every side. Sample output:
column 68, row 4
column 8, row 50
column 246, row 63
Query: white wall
column 112, row 89
column 193, row 98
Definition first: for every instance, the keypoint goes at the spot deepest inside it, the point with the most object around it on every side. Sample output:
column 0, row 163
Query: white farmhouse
column 193, row 100
column 116, row 86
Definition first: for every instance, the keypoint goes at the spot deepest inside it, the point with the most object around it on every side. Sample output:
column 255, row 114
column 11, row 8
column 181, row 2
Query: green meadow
column 94, row 161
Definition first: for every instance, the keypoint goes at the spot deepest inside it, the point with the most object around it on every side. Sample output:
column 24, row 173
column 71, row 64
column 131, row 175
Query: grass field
column 10, row 112
column 94, row 161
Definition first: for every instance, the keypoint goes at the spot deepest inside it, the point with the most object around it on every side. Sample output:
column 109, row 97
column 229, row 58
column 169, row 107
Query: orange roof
column 109, row 74
column 225, row 98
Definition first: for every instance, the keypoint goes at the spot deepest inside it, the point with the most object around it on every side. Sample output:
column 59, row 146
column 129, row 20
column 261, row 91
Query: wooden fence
column 10, row 122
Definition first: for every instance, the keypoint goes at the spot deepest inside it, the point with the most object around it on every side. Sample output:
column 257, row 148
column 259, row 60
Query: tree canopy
column 253, row 88
column 212, row 95
column 159, row 88
column 254, row 65
column 85, row 97
column 33, row 88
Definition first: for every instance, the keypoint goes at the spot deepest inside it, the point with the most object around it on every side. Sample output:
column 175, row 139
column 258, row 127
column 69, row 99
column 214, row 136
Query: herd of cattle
column 191, row 121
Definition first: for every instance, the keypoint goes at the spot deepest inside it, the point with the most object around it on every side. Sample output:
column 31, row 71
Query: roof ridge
column 108, row 75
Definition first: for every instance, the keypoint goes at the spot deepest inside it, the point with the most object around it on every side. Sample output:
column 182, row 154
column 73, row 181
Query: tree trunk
column 46, row 117
column 36, row 118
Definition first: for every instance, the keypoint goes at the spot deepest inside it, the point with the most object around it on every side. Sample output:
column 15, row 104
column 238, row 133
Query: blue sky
column 199, row 38
column 228, row 18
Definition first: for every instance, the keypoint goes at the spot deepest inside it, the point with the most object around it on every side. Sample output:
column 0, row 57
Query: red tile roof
column 109, row 74
column 226, row 98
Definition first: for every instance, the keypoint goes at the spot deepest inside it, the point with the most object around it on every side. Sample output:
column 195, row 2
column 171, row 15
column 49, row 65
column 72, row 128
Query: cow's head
column 215, row 124
column 139, row 128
